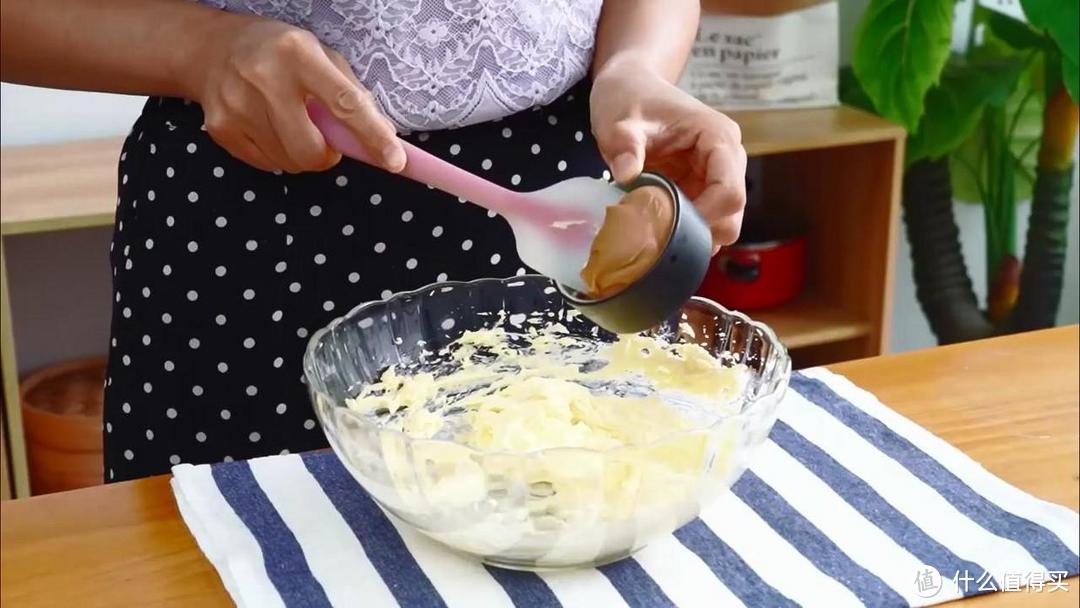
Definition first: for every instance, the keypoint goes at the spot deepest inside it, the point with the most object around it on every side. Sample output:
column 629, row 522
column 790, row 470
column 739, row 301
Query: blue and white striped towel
column 847, row 504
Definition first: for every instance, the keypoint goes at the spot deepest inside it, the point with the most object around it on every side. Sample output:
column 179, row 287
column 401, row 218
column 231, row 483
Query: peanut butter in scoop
column 634, row 234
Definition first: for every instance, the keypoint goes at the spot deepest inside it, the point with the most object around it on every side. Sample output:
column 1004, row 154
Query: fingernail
column 394, row 157
column 624, row 168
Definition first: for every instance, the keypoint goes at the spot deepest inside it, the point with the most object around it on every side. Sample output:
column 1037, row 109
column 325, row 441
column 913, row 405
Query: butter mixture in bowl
column 496, row 419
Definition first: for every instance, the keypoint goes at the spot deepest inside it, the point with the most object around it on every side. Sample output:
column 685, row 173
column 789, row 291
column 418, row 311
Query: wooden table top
column 1011, row 403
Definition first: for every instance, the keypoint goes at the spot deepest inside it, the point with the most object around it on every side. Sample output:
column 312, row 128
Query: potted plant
column 996, row 123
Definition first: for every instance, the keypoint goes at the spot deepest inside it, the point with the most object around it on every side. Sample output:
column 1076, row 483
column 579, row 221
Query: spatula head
column 557, row 244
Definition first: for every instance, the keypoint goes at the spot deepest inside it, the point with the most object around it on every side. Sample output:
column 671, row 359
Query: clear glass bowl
column 546, row 509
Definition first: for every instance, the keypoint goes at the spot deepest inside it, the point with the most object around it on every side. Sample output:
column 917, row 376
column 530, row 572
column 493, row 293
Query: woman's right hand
column 254, row 82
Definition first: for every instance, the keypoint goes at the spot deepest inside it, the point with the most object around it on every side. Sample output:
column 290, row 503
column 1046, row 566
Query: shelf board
column 778, row 131
column 809, row 320
column 73, row 185
column 58, row 186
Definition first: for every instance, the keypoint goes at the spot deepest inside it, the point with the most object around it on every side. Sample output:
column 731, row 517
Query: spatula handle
column 422, row 167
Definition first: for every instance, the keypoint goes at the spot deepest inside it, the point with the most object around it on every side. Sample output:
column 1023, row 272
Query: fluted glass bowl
column 551, row 508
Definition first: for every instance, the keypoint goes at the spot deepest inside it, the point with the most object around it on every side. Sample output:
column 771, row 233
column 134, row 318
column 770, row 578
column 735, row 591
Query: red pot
column 766, row 267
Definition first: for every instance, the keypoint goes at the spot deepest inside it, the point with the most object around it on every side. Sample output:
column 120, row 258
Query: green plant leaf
column 1016, row 34
column 1023, row 145
column 900, row 48
column 955, row 104
column 967, row 157
column 852, row 93
column 1070, row 75
column 1061, row 19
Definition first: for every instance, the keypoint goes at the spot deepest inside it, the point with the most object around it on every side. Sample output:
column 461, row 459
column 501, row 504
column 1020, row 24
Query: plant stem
column 941, row 277
column 1027, row 150
column 1019, row 112
column 1059, row 131
column 1044, row 255
column 975, row 177
column 999, row 206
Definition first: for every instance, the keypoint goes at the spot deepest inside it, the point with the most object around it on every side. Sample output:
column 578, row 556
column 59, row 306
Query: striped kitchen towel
column 847, row 504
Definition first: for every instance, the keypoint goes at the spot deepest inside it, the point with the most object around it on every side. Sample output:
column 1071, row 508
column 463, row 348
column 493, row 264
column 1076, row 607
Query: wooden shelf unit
column 838, row 168
column 782, row 131
column 52, row 187
column 848, row 196
column 811, row 320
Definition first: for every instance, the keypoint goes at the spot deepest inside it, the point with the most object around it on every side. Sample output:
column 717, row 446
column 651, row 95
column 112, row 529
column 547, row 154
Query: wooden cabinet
column 839, row 170
column 5, row 469
column 45, row 188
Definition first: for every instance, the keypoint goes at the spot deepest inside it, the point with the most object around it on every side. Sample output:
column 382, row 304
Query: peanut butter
column 634, row 234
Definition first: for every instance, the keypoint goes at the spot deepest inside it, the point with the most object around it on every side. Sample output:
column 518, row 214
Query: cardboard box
column 765, row 55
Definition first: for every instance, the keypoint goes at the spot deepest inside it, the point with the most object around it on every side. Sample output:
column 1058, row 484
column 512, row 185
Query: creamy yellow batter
column 559, row 444
column 543, row 402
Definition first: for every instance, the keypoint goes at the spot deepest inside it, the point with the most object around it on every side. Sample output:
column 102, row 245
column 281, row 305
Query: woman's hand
column 253, row 83
column 253, row 76
column 642, row 121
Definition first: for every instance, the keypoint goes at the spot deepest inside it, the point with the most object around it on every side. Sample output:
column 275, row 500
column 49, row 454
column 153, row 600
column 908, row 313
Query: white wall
column 60, row 283
column 36, row 116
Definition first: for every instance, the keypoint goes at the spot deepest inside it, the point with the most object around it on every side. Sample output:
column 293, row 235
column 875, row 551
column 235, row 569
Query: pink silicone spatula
column 553, row 227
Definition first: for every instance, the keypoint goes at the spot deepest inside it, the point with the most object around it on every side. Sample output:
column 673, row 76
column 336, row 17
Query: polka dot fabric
column 222, row 271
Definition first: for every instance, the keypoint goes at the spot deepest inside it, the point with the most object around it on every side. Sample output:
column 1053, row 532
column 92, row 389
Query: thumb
column 623, row 149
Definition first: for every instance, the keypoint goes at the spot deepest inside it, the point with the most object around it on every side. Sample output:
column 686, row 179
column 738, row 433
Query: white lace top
column 434, row 64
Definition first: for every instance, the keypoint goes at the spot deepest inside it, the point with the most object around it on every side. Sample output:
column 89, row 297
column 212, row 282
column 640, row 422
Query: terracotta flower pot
column 61, row 409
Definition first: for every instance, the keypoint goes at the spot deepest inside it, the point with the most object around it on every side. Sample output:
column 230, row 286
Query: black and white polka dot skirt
column 221, row 271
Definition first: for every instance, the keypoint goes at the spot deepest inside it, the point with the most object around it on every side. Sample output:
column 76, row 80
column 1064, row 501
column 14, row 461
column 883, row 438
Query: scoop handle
column 422, row 167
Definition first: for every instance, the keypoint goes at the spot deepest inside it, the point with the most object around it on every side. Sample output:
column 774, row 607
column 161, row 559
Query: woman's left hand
column 643, row 121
